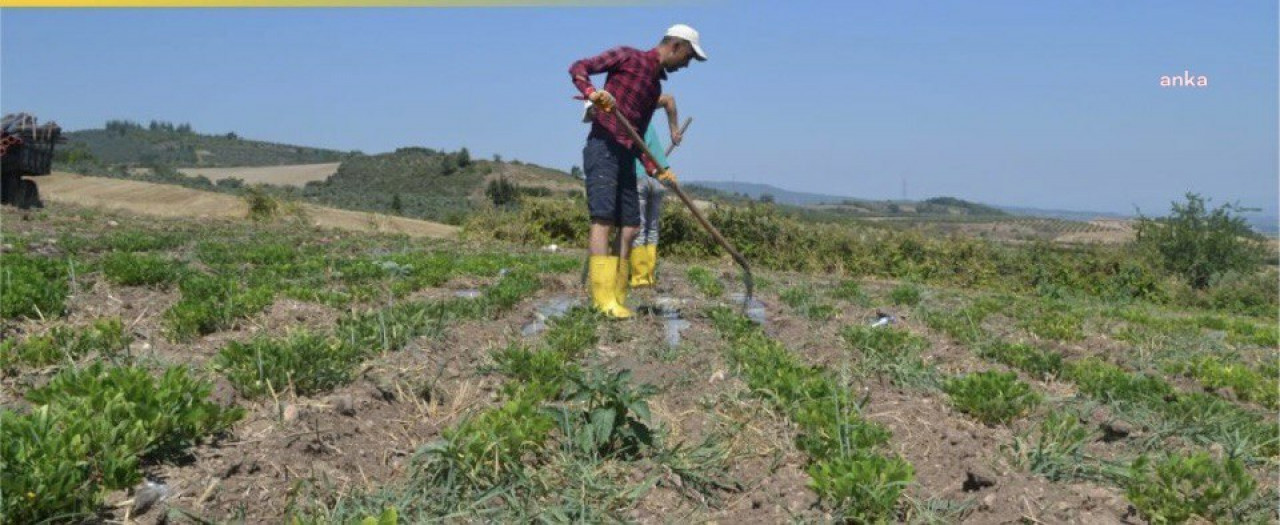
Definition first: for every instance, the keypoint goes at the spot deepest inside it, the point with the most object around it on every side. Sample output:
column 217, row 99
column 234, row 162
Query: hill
column 125, row 142
column 936, row 206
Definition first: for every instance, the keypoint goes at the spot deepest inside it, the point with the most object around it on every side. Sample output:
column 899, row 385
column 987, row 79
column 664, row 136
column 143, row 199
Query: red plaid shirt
column 635, row 81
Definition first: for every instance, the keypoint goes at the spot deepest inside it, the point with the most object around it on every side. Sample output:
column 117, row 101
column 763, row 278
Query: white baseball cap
column 690, row 34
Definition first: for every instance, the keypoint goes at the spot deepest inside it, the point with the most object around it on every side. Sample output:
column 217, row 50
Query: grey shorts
column 610, row 171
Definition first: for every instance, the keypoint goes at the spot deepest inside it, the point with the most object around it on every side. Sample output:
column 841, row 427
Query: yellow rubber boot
column 621, row 284
column 641, row 265
column 602, row 271
column 653, row 263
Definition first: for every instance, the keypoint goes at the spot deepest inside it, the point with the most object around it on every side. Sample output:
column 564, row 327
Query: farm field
column 214, row 369
column 291, row 175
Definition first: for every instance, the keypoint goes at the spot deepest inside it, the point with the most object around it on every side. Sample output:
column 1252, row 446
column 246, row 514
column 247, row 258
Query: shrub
column 992, row 397
column 1198, row 243
column 1178, row 488
column 308, row 363
column 501, row 192
column 262, row 205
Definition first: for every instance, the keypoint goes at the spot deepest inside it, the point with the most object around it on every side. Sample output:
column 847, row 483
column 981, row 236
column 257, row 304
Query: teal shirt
column 655, row 145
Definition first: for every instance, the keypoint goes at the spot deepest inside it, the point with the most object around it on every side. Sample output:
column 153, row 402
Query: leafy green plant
column 963, row 325
column 1109, row 382
column 303, row 362
column 32, row 287
column 210, row 304
column 1215, row 373
column 905, row 294
column 840, row 443
column 892, row 353
column 105, row 336
column 1178, row 488
column 992, row 397
column 573, row 333
column 704, row 281
column 803, row 300
column 1042, row 363
column 132, row 269
column 850, row 290
column 543, row 372
column 1052, row 320
column 58, row 464
column 489, row 447
column 865, row 488
column 607, row 415
column 89, row 431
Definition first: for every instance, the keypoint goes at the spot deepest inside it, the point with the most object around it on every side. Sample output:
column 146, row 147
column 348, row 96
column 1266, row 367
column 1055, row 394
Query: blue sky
column 1047, row 104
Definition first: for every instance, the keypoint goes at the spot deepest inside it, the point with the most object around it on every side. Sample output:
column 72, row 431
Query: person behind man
column 644, row 250
column 631, row 91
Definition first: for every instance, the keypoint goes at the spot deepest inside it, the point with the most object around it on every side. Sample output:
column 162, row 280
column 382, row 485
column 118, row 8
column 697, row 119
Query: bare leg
column 628, row 237
column 598, row 240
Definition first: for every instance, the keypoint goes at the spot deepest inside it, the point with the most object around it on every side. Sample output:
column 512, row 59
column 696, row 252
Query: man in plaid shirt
column 631, row 91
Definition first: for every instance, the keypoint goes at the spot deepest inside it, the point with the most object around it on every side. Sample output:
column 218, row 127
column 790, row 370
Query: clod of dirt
column 977, row 478
column 343, row 404
column 1116, row 430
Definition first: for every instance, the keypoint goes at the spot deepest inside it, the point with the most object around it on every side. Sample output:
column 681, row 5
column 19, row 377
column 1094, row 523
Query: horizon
column 953, row 98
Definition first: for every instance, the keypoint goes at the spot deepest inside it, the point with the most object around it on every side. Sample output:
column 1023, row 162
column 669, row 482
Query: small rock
column 717, row 376
column 344, row 405
column 6, row 248
column 290, row 413
column 147, row 495
column 112, row 224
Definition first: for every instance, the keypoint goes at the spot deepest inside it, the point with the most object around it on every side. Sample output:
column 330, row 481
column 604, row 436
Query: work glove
column 602, row 99
column 666, row 176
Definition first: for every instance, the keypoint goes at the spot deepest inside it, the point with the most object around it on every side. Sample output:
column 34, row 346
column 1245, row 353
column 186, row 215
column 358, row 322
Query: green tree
column 502, row 192
column 396, row 206
column 576, row 172
column 464, row 158
column 1199, row 244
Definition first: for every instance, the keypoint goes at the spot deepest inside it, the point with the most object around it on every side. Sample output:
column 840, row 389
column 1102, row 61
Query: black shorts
column 610, row 171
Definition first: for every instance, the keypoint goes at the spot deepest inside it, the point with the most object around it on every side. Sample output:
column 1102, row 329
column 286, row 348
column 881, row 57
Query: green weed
column 1215, row 373
column 892, row 353
column 1179, row 488
column 865, row 488
column 210, row 304
column 63, row 343
column 992, row 397
column 905, row 294
column 90, row 429
column 839, row 442
column 132, row 269
column 303, row 362
column 32, row 287
column 1044, row 364
column 1055, row 450
column 704, row 281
